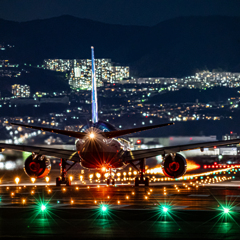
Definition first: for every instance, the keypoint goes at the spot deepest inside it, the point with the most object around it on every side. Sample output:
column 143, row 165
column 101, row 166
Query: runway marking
column 232, row 195
column 198, row 195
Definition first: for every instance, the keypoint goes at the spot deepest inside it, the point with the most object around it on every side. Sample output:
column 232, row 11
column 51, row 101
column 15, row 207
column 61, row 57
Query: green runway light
column 104, row 208
column 226, row 210
column 165, row 209
column 43, row 207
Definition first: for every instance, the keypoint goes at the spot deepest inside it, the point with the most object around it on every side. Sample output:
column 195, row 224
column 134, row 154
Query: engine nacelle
column 37, row 166
column 174, row 166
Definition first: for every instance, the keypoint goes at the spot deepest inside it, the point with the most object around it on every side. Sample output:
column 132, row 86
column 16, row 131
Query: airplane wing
column 59, row 153
column 147, row 153
column 63, row 132
column 111, row 134
column 118, row 133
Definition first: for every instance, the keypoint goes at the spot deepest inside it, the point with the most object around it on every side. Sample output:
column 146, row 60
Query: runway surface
column 195, row 208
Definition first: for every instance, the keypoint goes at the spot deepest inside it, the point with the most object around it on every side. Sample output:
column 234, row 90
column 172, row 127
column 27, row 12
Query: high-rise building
column 80, row 71
column 21, row 90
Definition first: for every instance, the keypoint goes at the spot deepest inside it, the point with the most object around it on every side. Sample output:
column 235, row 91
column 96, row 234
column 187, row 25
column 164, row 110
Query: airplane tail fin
column 94, row 91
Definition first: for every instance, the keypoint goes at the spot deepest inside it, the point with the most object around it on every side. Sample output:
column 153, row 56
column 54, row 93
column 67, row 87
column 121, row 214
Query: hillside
column 174, row 48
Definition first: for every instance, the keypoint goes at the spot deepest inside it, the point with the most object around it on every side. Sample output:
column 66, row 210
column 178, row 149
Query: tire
column 113, row 182
column 108, row 181
column 136, row 182
column 58, row 181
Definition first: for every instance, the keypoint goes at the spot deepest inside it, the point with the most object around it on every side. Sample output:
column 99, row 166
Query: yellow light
column 133, row 193
column 47, row 179
column 71, row 178
column 98, row 186
column 103, row 169
column 150, row 190
column 77, row 188
column 17, row 180
column 92, row 135
column 127, row 197
column 88, row 187
column 33, row 180
column 72, row 201
column 64, row 189
column 32, row 192
column 12, row 194
column 49, row 190
column 146, row 197
column 95, row 202
column 24, row 201
column 118, row 202
column 108, row 197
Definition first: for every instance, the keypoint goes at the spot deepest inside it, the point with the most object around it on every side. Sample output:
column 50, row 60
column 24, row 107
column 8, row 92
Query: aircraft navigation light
column 91, row 135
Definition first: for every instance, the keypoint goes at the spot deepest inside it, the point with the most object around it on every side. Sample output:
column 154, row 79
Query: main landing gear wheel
column 110, row 181
column 142, row 181
column 60, row 181
column 63, row 179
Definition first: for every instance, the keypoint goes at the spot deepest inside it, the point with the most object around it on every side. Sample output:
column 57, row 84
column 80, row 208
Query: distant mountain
column 173, row 48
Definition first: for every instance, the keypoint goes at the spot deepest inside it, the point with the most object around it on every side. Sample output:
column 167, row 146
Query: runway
column 189, row 209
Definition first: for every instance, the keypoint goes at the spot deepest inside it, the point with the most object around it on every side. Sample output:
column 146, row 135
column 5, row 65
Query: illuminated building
column 80, row 71
column 22, row 91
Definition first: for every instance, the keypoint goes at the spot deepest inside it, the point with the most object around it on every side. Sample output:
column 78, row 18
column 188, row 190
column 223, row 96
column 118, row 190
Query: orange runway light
column 17, row 180
column 47, row 179
column 33, row 180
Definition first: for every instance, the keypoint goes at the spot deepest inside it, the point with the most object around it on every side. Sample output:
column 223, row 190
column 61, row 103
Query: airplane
column 98, row 146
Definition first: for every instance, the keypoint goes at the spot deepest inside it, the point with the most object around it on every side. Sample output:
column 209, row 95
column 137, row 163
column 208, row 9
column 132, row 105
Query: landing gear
column 63, row 179
column 110, row 180
column 141, row 179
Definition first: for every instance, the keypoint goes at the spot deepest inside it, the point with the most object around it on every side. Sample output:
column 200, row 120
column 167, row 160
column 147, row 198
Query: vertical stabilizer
column 94, row 91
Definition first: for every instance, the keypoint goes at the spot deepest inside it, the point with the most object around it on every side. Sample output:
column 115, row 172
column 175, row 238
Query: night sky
column 127, row 12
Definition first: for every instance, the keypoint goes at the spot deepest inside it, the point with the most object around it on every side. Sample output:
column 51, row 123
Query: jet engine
column 174, row 166
column 37, row 166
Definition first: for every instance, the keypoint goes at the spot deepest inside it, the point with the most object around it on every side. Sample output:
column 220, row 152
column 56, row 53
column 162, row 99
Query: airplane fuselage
column 98, row 152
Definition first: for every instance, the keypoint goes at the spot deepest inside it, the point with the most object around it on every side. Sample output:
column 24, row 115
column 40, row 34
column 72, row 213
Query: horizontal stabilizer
column 83, row 134
column 63, row 132
column 132, row 130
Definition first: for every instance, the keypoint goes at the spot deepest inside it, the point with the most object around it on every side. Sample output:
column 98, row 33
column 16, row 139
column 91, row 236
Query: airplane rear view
column 100, row 147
